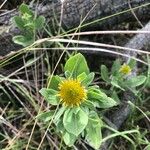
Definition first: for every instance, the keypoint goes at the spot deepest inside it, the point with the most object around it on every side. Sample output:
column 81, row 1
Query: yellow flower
column 125, row 69
column 71, row 92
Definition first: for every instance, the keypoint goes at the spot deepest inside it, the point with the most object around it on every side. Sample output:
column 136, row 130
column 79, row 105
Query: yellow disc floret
column 125, row 69
column 71, row 93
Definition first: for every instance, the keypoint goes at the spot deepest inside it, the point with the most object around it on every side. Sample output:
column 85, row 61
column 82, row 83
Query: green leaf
column 25, row 9
column 59, row 114
column 67, row 74
column 93, row 130
column 18, row 21
column 45, row 116
column 115, row 97
column 69, row 139
column 135, row 81
column 94, row 93
column 54, row 83
column 107, row 102
column 115, row 83
column 132, row 63
column 82, row 76
column 115, row 67
column 88, row 80
column 59, row 126
column 50, row 96
column 29, row 27
column 39, row 22
column 100, row 99
column 89, row 104
column 76, row 65
column 23, row 40
column 75, row 120
column 104, row 73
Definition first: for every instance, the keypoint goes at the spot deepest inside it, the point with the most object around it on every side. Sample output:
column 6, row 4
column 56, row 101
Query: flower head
column 71, row 92
column 26, row 16
column 125, row 69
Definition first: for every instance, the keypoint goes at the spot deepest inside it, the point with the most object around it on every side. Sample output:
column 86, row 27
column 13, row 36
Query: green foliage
column 69, row 139
column 136, row 81
column 88, row 80
column 58, row 115
column 115, row 67
column 28, row 24
column 76, row 121
column 25, row 9
column 118, row 77
column 104, row 73
column 100, row 99
column 46, row 116
column 83, row 122
column 50, row 96
column 76, row 65
column 93, row 130
column 54, row 82
column 23, row 40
